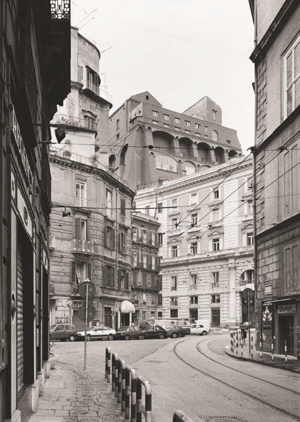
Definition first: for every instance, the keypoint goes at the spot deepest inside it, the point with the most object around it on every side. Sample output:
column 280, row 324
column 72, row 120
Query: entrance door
column 20, row 317
column 193, row 314
column 108, row 317
column 215, row 317
column 286, row 332
column 124, row 319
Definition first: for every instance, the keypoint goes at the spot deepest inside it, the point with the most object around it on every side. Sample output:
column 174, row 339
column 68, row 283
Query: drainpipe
column 117, row 237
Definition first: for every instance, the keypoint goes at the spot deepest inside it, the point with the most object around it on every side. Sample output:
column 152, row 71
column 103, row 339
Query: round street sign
column 90, row 287
column 247, row 294
column 90, row 313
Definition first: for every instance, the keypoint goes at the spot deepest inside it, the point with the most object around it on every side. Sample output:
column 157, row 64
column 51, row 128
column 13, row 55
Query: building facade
column 35, row 77
column 148, row 143
column 90, row 240
column 277, row 174
column 145, row 267
column 205, row 242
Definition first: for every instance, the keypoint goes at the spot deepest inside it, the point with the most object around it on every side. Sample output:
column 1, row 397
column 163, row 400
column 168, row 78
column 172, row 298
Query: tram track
column 246, row 393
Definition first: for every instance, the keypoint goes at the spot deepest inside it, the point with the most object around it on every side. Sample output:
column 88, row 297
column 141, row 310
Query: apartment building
column 276, row 186
column 205, row 242
column 149, row 143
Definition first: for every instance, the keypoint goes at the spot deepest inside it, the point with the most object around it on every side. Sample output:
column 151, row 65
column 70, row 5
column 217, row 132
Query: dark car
column 63, row 332
column 126, row 332
column 173, row 331
column 185, row 328
column 150, row 331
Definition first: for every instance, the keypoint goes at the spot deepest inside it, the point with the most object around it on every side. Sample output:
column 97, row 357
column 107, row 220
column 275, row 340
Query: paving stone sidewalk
column 74, row 395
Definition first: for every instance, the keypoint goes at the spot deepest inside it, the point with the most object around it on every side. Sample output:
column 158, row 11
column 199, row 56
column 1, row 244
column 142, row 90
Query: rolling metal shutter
column 20, row 320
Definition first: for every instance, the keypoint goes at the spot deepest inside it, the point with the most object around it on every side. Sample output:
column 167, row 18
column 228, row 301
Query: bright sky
column 179, row 50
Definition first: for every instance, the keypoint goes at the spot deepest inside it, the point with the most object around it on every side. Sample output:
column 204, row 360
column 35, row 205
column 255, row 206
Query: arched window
column 188, row 168
column 164, row 162
column 215, row 135
column 123, row 155
column 247, row 277
column 112, row 162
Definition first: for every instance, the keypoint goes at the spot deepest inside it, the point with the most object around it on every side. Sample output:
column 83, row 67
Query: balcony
column 83, row 246
column 80, row 202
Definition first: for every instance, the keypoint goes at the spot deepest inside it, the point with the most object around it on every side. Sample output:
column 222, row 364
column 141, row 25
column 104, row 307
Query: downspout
column 117, row 245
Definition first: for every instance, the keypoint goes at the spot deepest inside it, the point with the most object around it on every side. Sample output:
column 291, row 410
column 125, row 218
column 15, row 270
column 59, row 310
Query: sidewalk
column 74, row 395
column 293, row 364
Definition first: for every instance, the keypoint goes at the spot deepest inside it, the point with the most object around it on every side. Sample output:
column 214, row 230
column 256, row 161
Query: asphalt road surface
column 194, row 374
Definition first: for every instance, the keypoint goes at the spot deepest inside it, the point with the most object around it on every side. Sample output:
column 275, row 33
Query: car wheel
column 161, row 336
column 174, row 335
column 141, row 336
column 127, row 337
column 88, row 338
column 110, row 337
column 72, row 338
column 204, row 333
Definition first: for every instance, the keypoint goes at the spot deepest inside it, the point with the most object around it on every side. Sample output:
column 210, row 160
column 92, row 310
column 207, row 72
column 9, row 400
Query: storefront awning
column 127, row 307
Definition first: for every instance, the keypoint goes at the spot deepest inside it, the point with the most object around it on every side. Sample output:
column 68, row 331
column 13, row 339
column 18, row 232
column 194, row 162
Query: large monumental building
column 91, row 207
column 205, row 242
column 148, row 143
column 276, row 57
column 34, row 78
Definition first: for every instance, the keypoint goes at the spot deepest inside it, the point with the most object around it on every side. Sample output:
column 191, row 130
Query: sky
column 179, row 50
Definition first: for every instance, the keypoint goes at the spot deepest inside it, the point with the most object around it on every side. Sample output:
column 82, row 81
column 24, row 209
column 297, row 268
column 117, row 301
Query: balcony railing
column 80, row 202
column 83, row 246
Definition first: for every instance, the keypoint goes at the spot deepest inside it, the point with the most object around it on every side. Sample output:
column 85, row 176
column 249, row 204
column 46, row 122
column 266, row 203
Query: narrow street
column 196, row 376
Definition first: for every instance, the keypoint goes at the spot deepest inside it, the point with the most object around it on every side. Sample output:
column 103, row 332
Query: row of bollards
column 128, row 388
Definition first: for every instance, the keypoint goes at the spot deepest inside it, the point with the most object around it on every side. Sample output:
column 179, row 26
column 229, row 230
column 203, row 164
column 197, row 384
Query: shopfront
column 287, row 329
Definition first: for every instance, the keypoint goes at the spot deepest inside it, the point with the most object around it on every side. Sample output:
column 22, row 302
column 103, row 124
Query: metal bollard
column 113, row 370
column 285, row 351
column 181, row 417
column 231, row 342
column 251, row 347
column 273, row 347
column 148, row 399
column 133, row 398
column 237, row 343
column 107, row 363
column 130, row 390
column 121, row 365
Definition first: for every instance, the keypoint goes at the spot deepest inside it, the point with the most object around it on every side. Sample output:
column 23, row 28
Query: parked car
column 184, row 327
column 148, row 331
column 126, row 332
column 63, row 332
column 97, row 333
column 173, row 331
column 199, row 329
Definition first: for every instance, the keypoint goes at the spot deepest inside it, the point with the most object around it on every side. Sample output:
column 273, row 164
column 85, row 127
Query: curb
column 261, row 362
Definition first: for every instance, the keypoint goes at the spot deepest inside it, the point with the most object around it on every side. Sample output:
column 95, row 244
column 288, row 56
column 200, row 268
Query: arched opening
column 123, row 155
column 164, row 162
column 220, row 156
column 188, row 168
column 204, row 152
column 215, row 136
column 112, row 162
column 186, row 147
column 163, row 141
column 232, row 153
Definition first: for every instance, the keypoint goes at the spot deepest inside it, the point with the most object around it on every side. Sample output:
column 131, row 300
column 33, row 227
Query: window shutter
column 126, row 280
column 113, row 276
column 113, row 246
column 105, row 236
column 77, row 228
column 119, row 280
column 104, row 275
column 156, row 263
column 137, row 234
column 87, row 230
column 73, row 273
column 89, row 271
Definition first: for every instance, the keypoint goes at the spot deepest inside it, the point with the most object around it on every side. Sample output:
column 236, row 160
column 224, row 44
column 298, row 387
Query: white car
column 199, row 329
column 97, row 333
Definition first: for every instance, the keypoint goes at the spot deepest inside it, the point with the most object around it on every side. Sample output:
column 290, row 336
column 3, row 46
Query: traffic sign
column 248, row 294
column 87, row 286
column 90, row 313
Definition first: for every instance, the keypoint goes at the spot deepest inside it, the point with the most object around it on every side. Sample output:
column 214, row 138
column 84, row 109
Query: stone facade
column 205, row 242
column 277, row 174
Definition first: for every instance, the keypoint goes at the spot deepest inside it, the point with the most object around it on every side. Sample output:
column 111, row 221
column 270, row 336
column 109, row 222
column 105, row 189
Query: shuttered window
column 122, row 242
column 108, row 276
column 109, row 237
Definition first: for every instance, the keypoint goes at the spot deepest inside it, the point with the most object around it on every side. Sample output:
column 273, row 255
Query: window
column 123, row 281
column 193, row 199
column 147, row 209
column 215, row 135
column 197, row 126
column 247, row 277
column 216, row 245
column 81, row 272
column 205, row 128
column 164, row 162
column 123, row 207
column 194, row 248
column 154, row 113
column 108, row 203
column 174, row 313
column 249, row 207
column 216, row 194
column 187, row 131
column 174, row 223
column 193, row 281
column 194, row 219
column 174, row 203
column 89, row 122
column 80, row 194
column 177, row 128
column 153, row 262
column 92, row 80
column 135, row 234
column 173, row 283
column 144, row 261
column 80, row 229
column 188, row 168
column 215, row 279
column 109, row 237
column 187, row 123
column 109, row 276
column 122, row 242
column 216, row 214
column 159, row 207
column 198, row 134
column 160, row 239
column 174, row 251
column 117, row 124
column 153, row 238
column 215, row 299
column 292, row 78
column 159, row 299
column 166, row 117
column 214, row 114
column 155, row 122
column 135, row 259
column 176, row 120
column 193, row 300
column 166, row 125
column 249, row 239
column 144, row 236
column 173, row 301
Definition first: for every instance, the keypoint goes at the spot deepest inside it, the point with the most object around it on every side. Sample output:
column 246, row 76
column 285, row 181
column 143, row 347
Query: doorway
column 286, row 332
column 124, row 319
